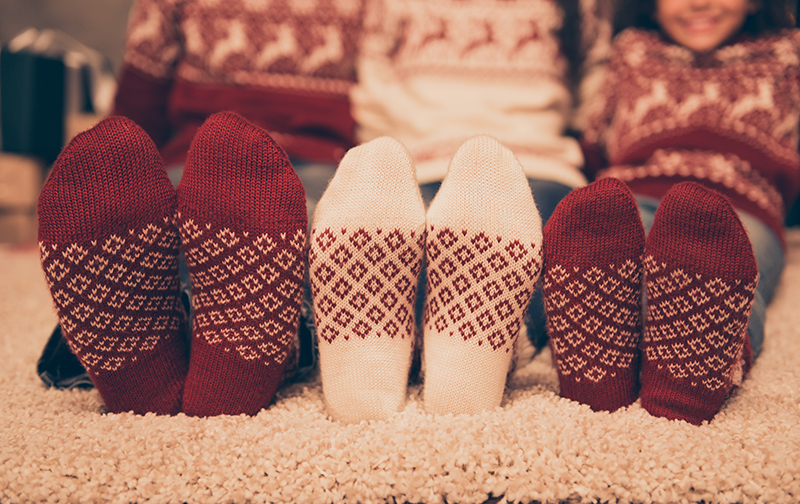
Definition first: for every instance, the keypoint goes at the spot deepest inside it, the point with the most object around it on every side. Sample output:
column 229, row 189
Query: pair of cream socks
column 480, row 242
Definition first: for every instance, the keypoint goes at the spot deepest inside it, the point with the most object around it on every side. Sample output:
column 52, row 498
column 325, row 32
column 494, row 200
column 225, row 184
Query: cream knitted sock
column 484, row 238
column 366, row 253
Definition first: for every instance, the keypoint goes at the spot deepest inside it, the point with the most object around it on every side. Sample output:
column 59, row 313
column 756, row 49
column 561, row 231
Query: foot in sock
column 242, row 219
column 483, row 249
column 700, row 277
column 109, row 250
column 366, row 253
column 593, row 248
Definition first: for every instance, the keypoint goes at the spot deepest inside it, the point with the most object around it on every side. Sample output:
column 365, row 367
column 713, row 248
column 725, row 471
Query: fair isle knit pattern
column 304, row 45
column 249, row 288
column 116, row 297
column 728, row 119
column 285, row 65
column 242, row 219
column 701, row 277
column 484, row 254
column 367, row 243
column 502, row 57
column 593, row 247
column 109, row 251
column 685, row 346
column 513, row 38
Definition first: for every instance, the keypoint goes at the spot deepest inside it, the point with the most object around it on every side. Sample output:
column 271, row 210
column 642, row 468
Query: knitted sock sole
column 593, row 247
column 109, row 251
column 701, row 277
column 243, row 226
column 484, row 257
column 366, row 252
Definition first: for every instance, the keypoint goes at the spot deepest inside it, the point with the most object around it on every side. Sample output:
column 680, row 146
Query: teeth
column 700, row 24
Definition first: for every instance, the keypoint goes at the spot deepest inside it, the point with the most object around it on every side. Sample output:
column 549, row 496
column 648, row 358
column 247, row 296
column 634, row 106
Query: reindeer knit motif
column 728, row 119
column 502, row 57
column 262, row 59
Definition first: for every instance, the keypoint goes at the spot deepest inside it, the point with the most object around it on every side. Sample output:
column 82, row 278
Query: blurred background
column 99, row 24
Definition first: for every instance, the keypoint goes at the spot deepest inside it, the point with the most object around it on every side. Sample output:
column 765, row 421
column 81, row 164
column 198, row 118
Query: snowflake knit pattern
column 728, row 119
column 242, row 219
column 109, row 251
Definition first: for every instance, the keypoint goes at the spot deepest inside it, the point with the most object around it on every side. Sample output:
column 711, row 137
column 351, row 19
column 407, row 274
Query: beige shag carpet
column 59, row 446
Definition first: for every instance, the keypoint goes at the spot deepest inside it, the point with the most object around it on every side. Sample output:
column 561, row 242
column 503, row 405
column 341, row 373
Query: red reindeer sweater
column 728, row 119
column 286, row 65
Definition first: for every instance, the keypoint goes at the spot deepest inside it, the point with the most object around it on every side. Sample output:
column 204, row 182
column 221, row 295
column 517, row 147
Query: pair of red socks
column 699, row 275
column 110, row 230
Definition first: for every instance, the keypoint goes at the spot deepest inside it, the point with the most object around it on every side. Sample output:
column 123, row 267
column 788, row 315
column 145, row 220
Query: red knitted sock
column 109, row 251
column 242, row 216
column 593, row 246
column 701, row 278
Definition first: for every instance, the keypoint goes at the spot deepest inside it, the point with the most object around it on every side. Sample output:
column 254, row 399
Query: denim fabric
column 770, row 259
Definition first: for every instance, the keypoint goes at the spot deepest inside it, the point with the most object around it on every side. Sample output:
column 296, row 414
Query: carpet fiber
column 61, row 446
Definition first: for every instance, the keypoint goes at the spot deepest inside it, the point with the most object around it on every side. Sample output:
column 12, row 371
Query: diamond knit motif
column 116, row 297
column 696, row 324
column 365, row 281
column 478, row 285
column 247, row 289
column 601, row 302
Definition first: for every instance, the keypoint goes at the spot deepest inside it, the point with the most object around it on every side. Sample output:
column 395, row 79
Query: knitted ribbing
column 667, row 115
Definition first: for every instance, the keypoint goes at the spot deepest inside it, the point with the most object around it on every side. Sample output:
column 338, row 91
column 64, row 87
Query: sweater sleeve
column 152, row 50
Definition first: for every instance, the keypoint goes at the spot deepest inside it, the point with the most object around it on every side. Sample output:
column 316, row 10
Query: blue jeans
column 769, row 256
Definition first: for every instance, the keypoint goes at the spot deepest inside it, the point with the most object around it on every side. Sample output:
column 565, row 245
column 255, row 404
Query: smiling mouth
column 698, row 25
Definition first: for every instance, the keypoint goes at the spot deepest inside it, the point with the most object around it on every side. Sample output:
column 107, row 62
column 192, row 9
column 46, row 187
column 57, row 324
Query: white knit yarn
column 366, row 253
column 483, row 246
column 434, row 74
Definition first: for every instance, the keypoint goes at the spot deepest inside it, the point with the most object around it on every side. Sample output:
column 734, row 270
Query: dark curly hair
column 773, row 15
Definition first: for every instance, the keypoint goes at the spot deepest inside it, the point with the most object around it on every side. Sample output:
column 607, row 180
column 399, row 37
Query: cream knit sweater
column 433, row 74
